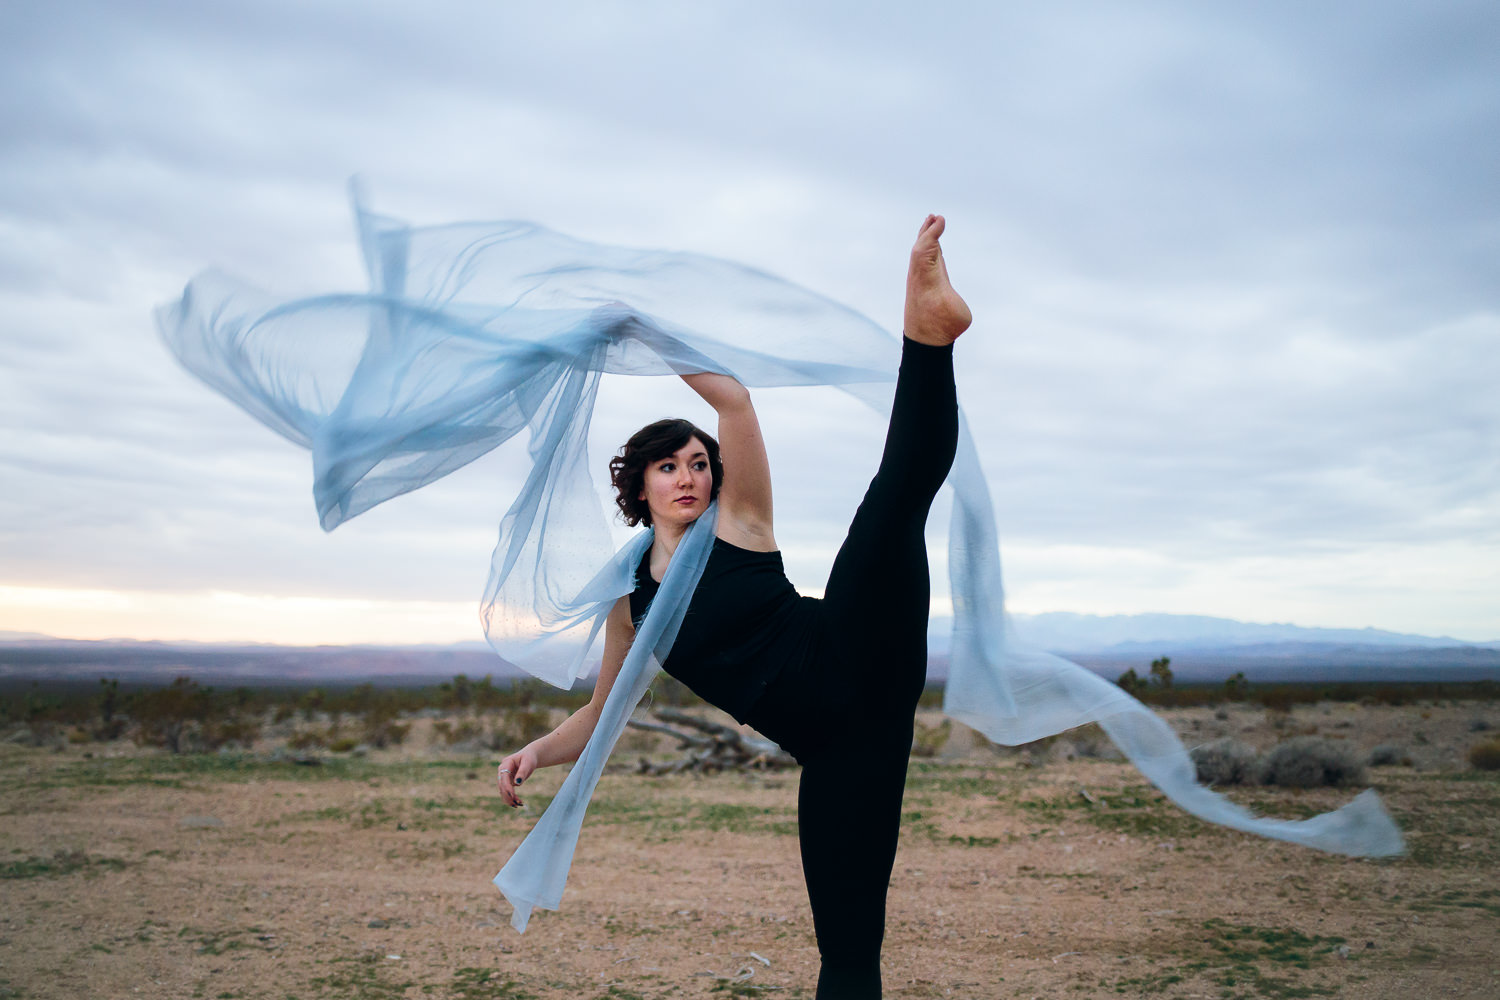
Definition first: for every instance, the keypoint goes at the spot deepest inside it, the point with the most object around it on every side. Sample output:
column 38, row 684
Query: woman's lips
column 686, row 500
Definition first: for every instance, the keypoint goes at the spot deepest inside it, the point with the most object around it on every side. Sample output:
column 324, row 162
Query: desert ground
column 1051, row 872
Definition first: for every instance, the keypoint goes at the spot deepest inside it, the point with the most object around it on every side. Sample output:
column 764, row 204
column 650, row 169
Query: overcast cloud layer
column 1235, row 274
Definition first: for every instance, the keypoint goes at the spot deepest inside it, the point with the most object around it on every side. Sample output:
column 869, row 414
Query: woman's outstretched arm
column 745, row 495
column 567, row 741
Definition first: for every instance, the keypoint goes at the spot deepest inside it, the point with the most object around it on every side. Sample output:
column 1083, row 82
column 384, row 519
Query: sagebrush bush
column 1485, row 756
column 1388, row 754
column 1226, row 762
column 928, row 741
column 1311, row 762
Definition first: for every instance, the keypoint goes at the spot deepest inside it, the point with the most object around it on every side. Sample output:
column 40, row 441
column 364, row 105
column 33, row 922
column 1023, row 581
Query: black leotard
column 744, row 623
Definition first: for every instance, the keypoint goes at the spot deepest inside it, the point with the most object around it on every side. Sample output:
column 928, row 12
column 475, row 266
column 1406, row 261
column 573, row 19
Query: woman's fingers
column 513, row 771
column 506, row 779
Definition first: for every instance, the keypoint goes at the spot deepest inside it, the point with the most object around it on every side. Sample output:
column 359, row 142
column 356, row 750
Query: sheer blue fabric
column 471, row 333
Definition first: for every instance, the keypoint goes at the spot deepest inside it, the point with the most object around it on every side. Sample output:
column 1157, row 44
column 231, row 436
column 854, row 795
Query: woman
column 474, row 332
column 802, row 670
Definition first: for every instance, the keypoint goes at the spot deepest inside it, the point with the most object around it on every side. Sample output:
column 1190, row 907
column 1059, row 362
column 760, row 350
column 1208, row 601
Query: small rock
column 378, row 923
column 1342, row 951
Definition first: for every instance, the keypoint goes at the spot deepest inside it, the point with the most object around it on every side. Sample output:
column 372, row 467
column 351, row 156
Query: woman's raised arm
column 745, row 495
column 567, row 741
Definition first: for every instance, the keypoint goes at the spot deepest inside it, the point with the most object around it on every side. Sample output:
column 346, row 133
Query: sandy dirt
column 132, row 873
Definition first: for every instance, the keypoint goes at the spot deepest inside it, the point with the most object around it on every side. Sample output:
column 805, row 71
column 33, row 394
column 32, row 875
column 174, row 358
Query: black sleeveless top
column 745, row 622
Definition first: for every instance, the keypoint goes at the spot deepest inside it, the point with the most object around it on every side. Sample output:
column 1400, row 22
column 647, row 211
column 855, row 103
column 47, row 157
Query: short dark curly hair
column 627, row 470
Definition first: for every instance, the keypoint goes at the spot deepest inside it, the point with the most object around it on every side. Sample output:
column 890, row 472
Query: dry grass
column 138, row 874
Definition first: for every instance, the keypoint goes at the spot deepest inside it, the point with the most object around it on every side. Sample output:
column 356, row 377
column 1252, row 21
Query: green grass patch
column 668, row 817
column 190, row 770
column 366, row 978
column 1245, row 962
column 485, row 984
column 61, row 863
column 207, row 942
column 1136, row 810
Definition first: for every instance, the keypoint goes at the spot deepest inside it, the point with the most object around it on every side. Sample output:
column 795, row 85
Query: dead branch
column 721, row 749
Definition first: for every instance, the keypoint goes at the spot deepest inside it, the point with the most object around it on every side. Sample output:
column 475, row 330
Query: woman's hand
column 513, row 770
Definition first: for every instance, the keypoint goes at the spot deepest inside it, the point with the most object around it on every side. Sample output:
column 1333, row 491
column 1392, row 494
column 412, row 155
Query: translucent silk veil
column 472, row 333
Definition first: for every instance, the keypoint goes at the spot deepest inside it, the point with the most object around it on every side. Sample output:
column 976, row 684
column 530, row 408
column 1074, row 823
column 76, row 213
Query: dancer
column 474, row 332
column 809, row 673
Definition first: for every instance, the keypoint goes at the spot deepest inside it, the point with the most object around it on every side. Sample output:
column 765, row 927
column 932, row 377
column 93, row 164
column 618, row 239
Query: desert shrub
column 1161, row 672
column 928, row 741
column 1236, row 688
column 457, row 693
column 241, row 729
column 383, row 731
column 343, row 744
column 1279, row 699
column 1485, row 756
column 380, row 709
column 170, row 717
column 1092, row 742
column 1478, row 725
column 311, row 703
column 518, row 727
column 1310, row 762
column 466, row 731
column 1388, row 755
column 107, row 732
column 307, row 739
column 1225, row 762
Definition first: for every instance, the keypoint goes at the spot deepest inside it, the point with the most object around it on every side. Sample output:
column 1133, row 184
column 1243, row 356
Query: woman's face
column 677, row 488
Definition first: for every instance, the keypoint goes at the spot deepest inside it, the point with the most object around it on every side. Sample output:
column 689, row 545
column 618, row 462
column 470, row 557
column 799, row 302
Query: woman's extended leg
column 880, row 573
column 875, row 608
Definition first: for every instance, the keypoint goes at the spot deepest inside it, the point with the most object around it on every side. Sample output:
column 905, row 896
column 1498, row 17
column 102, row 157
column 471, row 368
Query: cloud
column 1233, row 268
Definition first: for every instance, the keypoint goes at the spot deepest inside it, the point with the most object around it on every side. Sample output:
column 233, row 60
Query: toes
column 927, row 237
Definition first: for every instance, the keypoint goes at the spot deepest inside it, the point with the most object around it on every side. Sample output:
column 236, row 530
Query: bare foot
column 935, row 313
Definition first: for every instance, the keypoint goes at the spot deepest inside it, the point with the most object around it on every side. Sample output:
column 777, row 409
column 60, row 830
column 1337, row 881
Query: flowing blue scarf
column 473, row 332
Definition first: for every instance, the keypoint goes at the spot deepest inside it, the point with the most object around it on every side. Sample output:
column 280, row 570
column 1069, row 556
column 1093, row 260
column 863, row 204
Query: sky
column 1235, row 271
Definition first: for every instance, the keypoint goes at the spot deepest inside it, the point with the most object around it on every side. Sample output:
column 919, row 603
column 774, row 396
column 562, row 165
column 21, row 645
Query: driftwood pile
column 710, row 747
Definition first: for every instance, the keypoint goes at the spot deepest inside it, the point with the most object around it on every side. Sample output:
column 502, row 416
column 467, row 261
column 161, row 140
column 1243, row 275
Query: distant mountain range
column 1202, row 649
column 1205, row 649
column 1063, row 631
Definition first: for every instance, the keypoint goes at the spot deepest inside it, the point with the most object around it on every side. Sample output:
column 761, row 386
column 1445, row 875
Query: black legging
column 860, row 685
